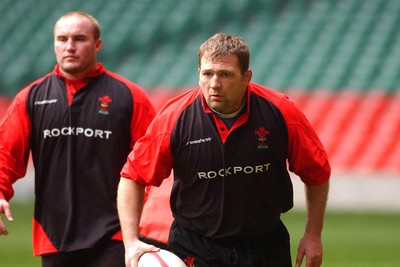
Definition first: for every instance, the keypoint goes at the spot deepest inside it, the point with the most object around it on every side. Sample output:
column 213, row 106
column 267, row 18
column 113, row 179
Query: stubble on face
column 222, row 83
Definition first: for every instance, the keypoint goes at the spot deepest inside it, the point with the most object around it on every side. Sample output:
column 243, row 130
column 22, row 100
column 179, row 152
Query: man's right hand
column 133, row 251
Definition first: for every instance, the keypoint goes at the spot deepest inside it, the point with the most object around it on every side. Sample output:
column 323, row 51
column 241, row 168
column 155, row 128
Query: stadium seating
column 337, row 60
column 360, row 130
column 311, row 44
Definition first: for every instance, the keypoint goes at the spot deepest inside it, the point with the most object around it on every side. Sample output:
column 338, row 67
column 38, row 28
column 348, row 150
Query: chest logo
column 262, row 138
column 104, row 102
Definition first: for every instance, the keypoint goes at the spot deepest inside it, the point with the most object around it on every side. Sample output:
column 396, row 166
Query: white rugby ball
column 162, row 258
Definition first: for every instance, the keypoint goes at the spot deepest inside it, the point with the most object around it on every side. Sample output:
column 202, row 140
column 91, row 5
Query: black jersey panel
column 236, row 188
column 78, row 151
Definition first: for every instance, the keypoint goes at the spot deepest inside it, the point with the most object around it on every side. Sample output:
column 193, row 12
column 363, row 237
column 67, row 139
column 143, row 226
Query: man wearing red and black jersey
column 80, row 122
column 229, row 143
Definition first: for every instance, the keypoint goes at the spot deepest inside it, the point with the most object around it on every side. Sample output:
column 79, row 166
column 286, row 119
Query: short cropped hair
column 224, row 44
column 90, row 18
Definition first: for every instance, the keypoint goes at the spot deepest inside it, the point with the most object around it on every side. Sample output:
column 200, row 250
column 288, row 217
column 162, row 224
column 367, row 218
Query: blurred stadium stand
column 339, row 60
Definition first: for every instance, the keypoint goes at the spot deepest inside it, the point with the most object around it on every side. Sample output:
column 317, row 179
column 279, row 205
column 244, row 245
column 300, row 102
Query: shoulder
column 138, row 93
column 128, row 83
column 22, row 95
column 170, row 112
column 281, row 101
column 275, row 97
column 177, row 104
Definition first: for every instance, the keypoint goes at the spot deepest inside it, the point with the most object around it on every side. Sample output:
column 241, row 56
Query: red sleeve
column 14, row 144
column 150, row 161
column 306, row 154
column 143, row 114
column 143, row 110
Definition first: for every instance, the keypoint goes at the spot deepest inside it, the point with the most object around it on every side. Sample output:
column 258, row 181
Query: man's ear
column 247, row 76
column 99, row 45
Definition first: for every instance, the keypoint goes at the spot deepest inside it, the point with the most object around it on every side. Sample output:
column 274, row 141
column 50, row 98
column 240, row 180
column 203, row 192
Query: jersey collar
column 93, row 73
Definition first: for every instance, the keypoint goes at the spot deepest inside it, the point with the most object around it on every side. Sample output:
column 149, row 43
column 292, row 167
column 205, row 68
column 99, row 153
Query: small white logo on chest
column 44, row 102
column 199, row 141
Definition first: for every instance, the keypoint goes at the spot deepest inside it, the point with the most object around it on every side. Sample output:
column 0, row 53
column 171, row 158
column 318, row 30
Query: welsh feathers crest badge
column 262, row 138
column 104, row 102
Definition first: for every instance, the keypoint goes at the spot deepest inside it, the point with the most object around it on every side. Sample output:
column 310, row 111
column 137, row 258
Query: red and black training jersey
column 229, row 183
column 79, row 146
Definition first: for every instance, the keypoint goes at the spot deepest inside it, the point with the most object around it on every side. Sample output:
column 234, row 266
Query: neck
column 79, row 76
column 228, row 115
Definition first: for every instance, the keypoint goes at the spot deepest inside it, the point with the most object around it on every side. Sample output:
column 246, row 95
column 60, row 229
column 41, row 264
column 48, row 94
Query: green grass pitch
column 350, row 238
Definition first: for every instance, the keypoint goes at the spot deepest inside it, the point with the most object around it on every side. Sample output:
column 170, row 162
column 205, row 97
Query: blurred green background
column 338, row 60
column 309, row 44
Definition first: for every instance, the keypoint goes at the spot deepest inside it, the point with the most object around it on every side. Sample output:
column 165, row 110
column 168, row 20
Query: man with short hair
column 80, row 122
column 229, row 143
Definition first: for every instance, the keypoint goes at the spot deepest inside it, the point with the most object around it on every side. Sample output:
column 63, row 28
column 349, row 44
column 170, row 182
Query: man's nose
column 70, row 44
column 215, row 83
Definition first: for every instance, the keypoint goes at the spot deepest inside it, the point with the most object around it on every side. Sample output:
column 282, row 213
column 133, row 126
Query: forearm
column 130, row 205
column 311, row 243
column 316, row 199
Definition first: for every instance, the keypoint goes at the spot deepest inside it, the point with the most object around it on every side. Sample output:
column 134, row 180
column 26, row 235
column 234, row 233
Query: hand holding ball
column 162, row 258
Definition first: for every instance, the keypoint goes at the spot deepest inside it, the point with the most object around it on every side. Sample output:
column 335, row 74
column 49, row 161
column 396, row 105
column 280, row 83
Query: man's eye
column 80, row 38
